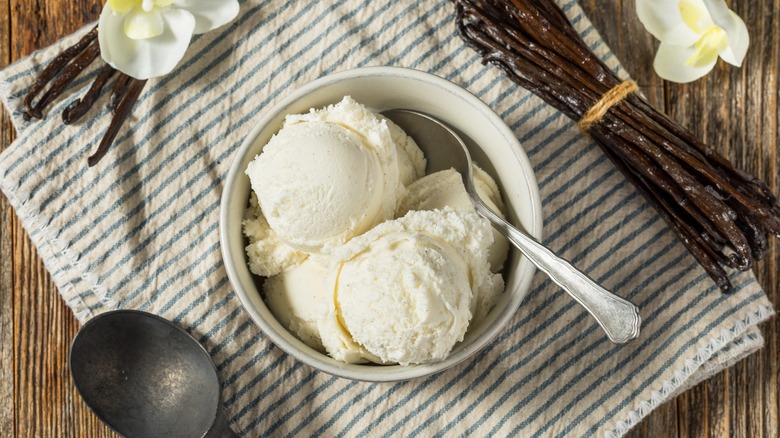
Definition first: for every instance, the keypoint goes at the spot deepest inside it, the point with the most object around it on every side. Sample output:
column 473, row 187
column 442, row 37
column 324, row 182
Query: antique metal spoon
column 444, row 149
column 146, row 377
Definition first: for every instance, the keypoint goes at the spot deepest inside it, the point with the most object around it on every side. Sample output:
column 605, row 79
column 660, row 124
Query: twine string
column 607, row 101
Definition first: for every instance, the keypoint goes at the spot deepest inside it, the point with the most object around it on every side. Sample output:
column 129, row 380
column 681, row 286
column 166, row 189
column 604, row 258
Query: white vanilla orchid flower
column 148, row 38
column 693, row 34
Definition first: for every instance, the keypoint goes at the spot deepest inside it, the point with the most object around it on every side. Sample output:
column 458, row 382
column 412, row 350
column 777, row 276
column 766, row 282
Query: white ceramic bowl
column 380, row 88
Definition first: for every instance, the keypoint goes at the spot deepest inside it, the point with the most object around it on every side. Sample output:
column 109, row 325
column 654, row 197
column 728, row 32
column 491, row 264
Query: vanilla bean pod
column 723, row 215
column 122, row 112
column 676, row 215
column 60, row 82
column 720, row 173
column 79, row 107
column 121, row 86
column 679, row 182
column 709, row 258
column 671, row 211
column 61, row 72
column 52, row 70
column 693, row 162
column 745, row 183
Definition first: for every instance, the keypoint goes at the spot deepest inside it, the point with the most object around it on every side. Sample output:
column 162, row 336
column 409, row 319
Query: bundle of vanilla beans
column 722, row 215
column 63, row 70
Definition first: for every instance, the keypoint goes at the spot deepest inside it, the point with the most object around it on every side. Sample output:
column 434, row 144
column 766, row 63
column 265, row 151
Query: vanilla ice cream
column 298, row 298
column 405, row 291
column 267, row 254
column 319, row 184
column 365, row 257
column 330, row 175
column 445, row 188
column 405, row 298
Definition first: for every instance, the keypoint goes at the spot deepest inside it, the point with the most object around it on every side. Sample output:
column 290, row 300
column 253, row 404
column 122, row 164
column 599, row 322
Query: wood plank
column 762, row 373
column 754, row 148
column 6, row 268
column 45, row 401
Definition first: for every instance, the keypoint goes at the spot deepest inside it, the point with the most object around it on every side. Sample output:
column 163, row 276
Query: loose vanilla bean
column 60, row 82
column 122, row 112
column 121, row 86
column 52, row 70
column 64, row 69
column 723, row 215
column 79, row 107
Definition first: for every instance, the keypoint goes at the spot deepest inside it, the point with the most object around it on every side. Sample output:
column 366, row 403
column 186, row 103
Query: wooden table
column 737, row 111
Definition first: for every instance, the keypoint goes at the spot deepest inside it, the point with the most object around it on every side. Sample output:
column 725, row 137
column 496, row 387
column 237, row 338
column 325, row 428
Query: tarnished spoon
column 146, row 377
column 444, row 149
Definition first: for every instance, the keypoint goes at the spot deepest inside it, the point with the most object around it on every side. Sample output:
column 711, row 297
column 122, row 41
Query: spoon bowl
column 145, row 377
column 444, row 149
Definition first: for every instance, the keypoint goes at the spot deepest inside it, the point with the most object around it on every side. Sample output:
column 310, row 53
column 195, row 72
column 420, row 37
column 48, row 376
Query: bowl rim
column 356, row 371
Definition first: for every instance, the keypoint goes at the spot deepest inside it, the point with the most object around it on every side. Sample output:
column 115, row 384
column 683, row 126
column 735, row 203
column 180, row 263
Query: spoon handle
column 618, row 317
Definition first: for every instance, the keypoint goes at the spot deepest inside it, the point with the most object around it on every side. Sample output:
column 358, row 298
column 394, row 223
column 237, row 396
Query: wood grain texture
column 735, row 110
column 7, row 414
column 37, row 396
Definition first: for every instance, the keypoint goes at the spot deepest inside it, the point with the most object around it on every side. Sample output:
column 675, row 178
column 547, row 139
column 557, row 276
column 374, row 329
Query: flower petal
column 147, row 58
column 673, row 63
column 663, row 19
column 718, row 9
column 738, row 39
column 140, row 24
column 695, row 15
column 209, row 14
column 122, row 6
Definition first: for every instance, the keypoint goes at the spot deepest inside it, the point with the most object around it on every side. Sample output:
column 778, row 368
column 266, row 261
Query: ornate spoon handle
column 618, row 317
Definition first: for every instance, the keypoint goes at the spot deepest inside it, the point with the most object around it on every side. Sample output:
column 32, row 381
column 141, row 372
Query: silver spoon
column 146, row 377
column 444, row 149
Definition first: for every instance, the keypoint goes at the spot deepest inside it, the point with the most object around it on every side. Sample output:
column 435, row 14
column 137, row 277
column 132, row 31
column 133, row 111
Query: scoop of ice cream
column 318, row 184
column 445, row 188
column 327, row 176
column 267, row 254
column 409, row 159
column 298, row 299
column 420, row 285
column 404, row 291
column 338, row 342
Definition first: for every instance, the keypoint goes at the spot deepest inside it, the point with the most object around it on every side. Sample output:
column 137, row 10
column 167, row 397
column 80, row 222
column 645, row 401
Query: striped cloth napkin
column 140, row 231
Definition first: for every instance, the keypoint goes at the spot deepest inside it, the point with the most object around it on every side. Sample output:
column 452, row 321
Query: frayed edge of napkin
column 13, row 105
column 734, row 344
column 54, row 252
